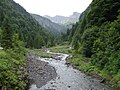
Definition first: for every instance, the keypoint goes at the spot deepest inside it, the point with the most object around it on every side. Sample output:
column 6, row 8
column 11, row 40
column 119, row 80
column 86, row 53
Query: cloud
column 54, row 7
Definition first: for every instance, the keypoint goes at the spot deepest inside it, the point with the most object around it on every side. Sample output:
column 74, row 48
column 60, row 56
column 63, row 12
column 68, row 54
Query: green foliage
column 97, row 36
column 10, row 69
column 40, row 53
column 12, row 61
column 21, row 22
column 72, row 32
column 61, row 49
column 6, row 35
column 116, row 79
column 83, row 64
column 0, row 36
column 18, row 30
column 87, row 40
column 63, row 37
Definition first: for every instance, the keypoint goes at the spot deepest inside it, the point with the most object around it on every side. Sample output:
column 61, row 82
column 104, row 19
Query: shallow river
column 68, row 78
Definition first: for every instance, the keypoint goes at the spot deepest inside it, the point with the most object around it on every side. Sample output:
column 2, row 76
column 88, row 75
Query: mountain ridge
column 23, row 23
column 53, row 27
column 65, row 20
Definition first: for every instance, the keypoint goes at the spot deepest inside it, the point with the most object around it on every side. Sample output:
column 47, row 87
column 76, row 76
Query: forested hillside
column 21, row 22
column 18, row 29
column 97, row 36
column 54, row 28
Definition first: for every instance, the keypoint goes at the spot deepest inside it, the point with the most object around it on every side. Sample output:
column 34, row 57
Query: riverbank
column 83, row 64
column 67, row 78
column 39, row 72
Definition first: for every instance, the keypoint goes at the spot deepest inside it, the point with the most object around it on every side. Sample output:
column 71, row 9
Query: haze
column 54, row 7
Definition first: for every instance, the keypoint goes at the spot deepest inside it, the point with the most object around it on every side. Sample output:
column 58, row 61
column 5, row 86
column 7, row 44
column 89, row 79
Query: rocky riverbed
column 39, row 72
column 54, row 74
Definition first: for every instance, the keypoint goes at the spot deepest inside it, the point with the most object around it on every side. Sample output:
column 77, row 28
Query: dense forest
column 18, row 31
column 30, row 32
column 97, row 36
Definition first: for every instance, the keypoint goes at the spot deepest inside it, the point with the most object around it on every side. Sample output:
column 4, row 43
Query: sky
column 54, row 7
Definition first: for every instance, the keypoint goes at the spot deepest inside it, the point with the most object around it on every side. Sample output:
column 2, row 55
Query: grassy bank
column 84, row 64
column 56, row 49
column 42, row 54
column 61, row 49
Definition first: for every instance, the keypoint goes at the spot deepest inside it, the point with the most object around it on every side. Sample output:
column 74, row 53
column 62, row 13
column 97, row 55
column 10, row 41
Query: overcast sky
column 54, row 7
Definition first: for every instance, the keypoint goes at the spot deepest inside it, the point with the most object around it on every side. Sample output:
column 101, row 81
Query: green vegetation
column 12, row 70
column 95, row 39
column 12, row 64
column 30, row 32
column 45, row 54
column 18, row 30
column 57, row 49
column 61, row 49
column 97, row 36
column 84, row 64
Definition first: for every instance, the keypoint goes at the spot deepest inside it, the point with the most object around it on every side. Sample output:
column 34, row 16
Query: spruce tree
column 6, row 34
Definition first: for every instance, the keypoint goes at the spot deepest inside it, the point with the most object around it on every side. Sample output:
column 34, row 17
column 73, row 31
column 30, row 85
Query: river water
column 68, row 78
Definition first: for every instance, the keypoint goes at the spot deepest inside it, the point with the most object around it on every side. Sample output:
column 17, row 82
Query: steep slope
column 54, row 28
column 17, row 30
column 65, row 20
column 23, row 23
column 97, row 36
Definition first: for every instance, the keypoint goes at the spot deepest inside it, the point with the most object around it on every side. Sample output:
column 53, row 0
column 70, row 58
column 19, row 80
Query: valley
column 56, row 51
column 55, row 28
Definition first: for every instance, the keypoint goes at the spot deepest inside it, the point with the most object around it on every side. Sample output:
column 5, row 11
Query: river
column 66, row 78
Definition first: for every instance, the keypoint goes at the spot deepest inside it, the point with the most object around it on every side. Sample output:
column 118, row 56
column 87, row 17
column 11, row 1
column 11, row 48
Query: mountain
column 97, row 37
column 54, row 28
column 65, row 20
column 21, row 22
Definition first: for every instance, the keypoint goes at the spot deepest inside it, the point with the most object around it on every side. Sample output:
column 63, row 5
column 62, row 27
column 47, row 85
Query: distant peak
column 46, row 16
column 76, row 13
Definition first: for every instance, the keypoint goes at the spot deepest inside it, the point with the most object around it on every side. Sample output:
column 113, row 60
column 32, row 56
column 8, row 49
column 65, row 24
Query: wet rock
column 95, row 75
column 68, row 64
column 58, row 77
column 53, row 85
column 74, row 71
column 57, row 58
column 102, row 81
column 69, row 86
column 51, row 82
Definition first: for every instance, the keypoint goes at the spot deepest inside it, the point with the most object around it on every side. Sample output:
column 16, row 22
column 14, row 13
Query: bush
column 11, row 74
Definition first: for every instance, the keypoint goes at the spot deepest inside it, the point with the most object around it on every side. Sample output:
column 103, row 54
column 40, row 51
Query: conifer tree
column 7, row 32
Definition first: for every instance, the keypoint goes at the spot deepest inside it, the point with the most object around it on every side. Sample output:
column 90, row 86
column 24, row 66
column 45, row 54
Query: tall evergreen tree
column 7, row 33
